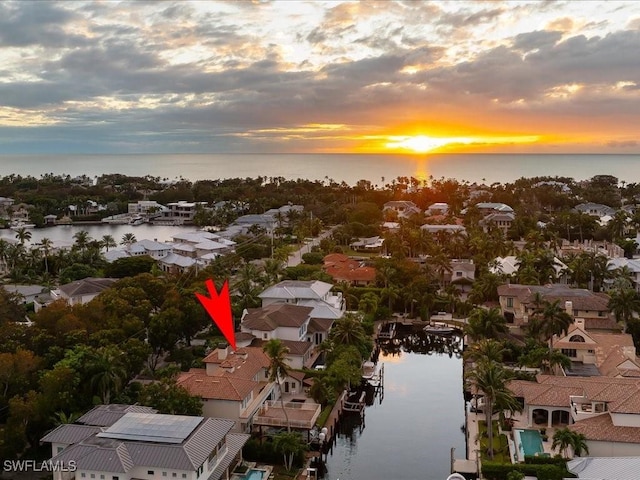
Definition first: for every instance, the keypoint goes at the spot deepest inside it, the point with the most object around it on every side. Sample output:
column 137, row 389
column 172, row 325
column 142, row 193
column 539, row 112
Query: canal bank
column 409, row 432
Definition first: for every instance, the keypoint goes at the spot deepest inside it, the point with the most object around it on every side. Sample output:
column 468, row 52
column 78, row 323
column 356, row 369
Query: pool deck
column 473, row 446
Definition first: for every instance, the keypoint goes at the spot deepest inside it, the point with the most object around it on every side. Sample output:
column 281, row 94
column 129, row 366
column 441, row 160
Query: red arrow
column 219, row 309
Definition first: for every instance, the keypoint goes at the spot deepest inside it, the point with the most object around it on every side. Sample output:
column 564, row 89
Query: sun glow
column 421, row 143
column 426, row 144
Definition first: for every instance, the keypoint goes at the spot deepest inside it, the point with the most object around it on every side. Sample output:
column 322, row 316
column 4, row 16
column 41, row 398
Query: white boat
column 20, row 225
column 137, row 220
column 438, row 329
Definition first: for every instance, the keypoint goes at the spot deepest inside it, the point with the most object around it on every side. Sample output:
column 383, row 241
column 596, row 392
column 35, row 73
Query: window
column 174, row 474
column 93, row 475
column 115, row 477
column 101, row 477
column 164, row 474
column 265, row 336
column 510, row 302
column 458, row 274
column 150, row 472
column 83, row 475
column 59, row 449
column 184, row 475
column 576, row 338
column 569, row 352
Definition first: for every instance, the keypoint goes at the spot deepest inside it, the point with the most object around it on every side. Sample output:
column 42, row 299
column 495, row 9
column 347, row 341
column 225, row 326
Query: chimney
column 580, row 323
column 568, row 307
column 223, row 350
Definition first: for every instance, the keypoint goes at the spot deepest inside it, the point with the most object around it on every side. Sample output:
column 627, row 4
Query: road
column 295, row 258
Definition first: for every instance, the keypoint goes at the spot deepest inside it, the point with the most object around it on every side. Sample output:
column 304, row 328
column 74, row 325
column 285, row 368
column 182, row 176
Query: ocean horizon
column 379, row 169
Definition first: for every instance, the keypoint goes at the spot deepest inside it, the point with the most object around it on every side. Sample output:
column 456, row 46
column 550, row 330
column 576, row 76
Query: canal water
column 408, row 433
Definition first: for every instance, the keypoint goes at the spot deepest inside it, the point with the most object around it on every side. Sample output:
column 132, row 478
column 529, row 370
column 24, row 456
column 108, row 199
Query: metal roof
column 605, row 468
column 70, row 433
column 235, row 442
column 107, row 415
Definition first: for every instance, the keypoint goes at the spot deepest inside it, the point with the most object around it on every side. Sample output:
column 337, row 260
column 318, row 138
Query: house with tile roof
column 348, row 270
column 122, row 442
column 517, row 303
column 235, row 385
column 605, row 409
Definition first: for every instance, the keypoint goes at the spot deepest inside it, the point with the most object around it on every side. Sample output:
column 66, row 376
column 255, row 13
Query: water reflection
column 407, row 433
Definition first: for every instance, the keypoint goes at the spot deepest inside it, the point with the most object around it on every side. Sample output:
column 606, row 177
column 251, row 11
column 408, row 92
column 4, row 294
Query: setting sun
column 421, row 143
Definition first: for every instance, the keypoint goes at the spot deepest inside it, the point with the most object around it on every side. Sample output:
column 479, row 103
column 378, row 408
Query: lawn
column 500, row 445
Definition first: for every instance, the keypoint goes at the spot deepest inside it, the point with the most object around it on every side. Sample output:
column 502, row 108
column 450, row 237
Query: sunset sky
column 319, row 76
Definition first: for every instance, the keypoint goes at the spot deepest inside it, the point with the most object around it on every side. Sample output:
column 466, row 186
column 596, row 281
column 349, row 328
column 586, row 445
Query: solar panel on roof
column 150, row 427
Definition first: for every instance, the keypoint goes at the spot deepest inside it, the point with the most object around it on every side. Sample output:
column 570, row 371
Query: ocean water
column 350, row 168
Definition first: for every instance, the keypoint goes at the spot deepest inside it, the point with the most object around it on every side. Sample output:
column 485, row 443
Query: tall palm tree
column 46, row 245
column 108, row 241
column 556, row 321
column 579, row 444
column 109, row 374
column 490, row 378
column 348, row 331
column 278, row 368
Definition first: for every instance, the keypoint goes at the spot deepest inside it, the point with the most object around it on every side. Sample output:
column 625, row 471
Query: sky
column 319, row 77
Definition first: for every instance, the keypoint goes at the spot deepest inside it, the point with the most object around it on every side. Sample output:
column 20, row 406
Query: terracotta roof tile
column 601, row 428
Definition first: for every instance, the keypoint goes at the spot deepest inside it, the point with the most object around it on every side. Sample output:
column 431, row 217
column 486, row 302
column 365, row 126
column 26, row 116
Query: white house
column 135, row 443
column 82, row 291
column 310, row 293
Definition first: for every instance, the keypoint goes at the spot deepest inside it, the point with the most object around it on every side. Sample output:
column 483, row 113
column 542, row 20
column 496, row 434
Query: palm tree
column 46, row 245
column 562, row 440
column 108, row 374
column 278, row 368
column 556, row 321
column 485, row 323
column 624, row 304
column 348, row 331
column 108, row 241
column 490, row 378
column 290, row 444
column 579, row 444
column 23, row 235
column 82, row 240
column 486, row 349
column 128, row 239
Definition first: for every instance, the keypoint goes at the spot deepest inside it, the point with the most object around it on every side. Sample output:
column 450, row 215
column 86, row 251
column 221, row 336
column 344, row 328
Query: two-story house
column 518, row 303
column 123, row 442
column 308, row 293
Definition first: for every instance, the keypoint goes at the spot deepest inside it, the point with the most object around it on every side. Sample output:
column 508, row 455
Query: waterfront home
column 182, row 210
column 235, row 385
column 308, row 293
column 147, row 207
column 175, row 263
column 605, row 468
column 277, row 320
column 451, row 228
column 517, row 303
column 348, row 270
column 27, row 293
column 487, row 208
column 123, row 442
column 152, row 248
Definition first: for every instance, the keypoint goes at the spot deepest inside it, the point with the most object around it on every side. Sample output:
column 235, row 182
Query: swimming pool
column 253, row 475
column 528, row 442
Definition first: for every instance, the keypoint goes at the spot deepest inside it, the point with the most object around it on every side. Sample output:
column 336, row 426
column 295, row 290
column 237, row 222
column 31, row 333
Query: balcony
column 301, row 415
column 582, row 408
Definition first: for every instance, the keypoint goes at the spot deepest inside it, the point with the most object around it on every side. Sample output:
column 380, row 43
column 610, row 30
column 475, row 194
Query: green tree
column 624, row 304
column 562, row 440
column 290, row 445
column 490, row 378
column 169, row 398
column 486, row 323
column 108, row 241
column 278, row 368
column 128, row 239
